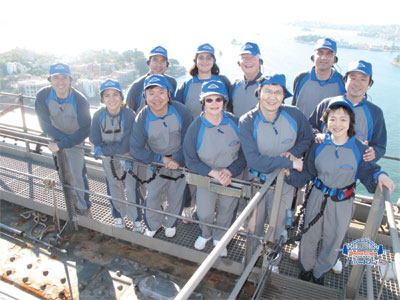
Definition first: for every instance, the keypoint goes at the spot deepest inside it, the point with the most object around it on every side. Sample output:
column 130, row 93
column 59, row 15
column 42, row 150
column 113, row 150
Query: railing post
column 370, row 232
column 251, row 229
column 65, row 175
column 21, row 105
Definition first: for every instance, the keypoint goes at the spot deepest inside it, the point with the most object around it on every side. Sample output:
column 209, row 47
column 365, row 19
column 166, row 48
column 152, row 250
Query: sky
column 70, row 27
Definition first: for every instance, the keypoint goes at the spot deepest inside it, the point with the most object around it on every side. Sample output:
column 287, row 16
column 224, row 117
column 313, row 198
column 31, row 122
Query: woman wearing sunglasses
column 110, row 133
column 212, row 147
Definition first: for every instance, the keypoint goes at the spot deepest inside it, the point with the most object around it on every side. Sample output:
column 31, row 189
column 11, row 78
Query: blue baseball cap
column 360, row 66
column 205, row 48
column 156, row 80
column 213, row 87
column 110, row 84
column 340, row 101
column 326, row 43
column 276, row 79
column 159, row 51
column 59, row 68
column 250, row 48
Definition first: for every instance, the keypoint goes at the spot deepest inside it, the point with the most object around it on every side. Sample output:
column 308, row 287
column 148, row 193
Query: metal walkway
column 31, row 193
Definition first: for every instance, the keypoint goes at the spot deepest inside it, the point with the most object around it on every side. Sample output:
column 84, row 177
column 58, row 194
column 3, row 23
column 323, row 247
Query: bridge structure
column 29, row 179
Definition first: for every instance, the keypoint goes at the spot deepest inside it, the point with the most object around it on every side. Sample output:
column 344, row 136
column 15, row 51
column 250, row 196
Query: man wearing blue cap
column 323, row 81
column 158, row 64
column 242, row 91
column 63, row 114
column 157, row 136
column 273, row 135
column 370, row 123
column 212, row 147
column 110, row 133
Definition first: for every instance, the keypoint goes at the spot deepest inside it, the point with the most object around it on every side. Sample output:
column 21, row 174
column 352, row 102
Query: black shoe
column 319, row 281
column 306, row 276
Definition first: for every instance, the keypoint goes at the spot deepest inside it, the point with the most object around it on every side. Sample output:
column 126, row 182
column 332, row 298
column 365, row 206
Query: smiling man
column 157, row 136
column 242, row 91
column 370, row 123
column 158, row 64
column 63, row 114
column 323, row 81
column 273, row 135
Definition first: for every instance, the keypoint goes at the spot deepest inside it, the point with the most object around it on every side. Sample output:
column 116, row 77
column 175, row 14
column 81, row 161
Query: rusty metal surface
column 95, row 266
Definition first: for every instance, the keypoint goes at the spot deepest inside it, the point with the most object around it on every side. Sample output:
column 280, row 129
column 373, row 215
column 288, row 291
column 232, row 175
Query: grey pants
column 265, row 206
column 332, row 226
column 117, row 189
column 156, row 190
column 215, row 209
column 76, row 163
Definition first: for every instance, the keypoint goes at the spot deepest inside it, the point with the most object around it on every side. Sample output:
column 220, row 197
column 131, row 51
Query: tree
column 175, row 69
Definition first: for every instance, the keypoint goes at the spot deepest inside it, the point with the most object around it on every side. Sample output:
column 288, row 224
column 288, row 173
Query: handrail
column 95, row 107
column 214, row 255
column 394, row 234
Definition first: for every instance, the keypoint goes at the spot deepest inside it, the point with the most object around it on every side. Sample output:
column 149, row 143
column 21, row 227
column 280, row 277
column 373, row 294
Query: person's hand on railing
column 384, row 180
column 224, row 176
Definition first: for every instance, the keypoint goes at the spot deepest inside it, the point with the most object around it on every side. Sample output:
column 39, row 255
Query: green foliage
column 31, row 60
column 37, row 64
column 175, row 69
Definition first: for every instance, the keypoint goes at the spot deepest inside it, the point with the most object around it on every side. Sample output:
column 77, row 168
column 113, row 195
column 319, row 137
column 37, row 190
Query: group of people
column 327, row 139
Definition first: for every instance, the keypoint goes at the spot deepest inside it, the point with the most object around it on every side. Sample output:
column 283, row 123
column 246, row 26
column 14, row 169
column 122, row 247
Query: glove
column 128, row 165
column 97, row 151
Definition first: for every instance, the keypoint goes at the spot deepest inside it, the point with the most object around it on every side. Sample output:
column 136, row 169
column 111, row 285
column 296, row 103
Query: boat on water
column 53, row 253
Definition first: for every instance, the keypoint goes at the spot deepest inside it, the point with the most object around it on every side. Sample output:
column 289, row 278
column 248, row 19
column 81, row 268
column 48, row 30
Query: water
column 282, row 54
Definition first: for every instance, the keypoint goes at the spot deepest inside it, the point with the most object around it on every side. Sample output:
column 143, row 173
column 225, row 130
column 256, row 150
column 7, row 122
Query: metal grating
column 34, row 190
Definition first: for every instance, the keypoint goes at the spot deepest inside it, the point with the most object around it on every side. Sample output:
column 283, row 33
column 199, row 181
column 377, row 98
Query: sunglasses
column 209, row 100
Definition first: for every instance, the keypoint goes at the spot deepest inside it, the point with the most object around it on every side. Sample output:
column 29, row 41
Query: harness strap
column 114, row 172
column 336, row 194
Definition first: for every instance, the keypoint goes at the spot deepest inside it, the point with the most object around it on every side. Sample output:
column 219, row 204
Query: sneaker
column 200, row 243
column 275, row 269
column 149, row 233
column 119, row 223
column 294, row 254
column 137, row 226
column 224, row 252
column 338, row 267
column 170, row 232
column 306, row 276
column 319, row 281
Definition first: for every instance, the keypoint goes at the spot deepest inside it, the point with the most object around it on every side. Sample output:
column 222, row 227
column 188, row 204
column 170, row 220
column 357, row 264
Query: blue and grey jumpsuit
column 112, row 134
column 67, row 123
column 262, row 143
column 369, row 126
column 208, row 147
column 189, row 92
column 153, row 138
column 243, row 96
column 335, row 167
column 309, row 91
